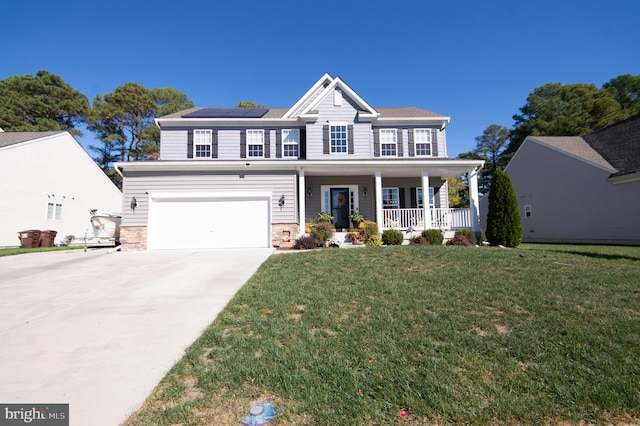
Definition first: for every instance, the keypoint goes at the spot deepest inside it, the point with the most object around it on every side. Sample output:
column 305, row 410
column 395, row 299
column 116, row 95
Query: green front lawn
column 14, row 251
column 538, row 334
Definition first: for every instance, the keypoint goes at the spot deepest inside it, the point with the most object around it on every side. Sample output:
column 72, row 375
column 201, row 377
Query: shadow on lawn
column 608, row 256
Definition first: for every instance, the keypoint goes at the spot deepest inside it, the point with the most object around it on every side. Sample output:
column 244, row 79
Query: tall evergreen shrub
column 503, row 219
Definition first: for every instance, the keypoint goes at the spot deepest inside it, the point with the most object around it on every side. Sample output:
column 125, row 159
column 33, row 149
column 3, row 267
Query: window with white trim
column 338, row 138
column 431, row 197
column 255, row 143
column 290, row 142
column 54, row 211
column 390, row 198
column 202, row 143
column 422, row 139
column 388, row 142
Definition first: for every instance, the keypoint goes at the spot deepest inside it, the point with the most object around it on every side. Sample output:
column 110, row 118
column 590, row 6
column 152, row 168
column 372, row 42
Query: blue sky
column 475, row 61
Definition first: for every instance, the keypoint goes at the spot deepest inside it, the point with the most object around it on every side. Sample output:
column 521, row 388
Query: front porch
column 441, row 218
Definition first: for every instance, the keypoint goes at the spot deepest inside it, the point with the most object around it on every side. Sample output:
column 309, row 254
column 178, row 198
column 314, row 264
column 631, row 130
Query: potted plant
column 324, row 217
column 356, row 238
column 356, row 219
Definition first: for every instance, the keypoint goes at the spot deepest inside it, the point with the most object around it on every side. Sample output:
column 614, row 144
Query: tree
column 458, row 193
column 626, row 90
column 121, row 117
column 40, row 102
column 563, row 110
column 503, row 220
column 249, row 104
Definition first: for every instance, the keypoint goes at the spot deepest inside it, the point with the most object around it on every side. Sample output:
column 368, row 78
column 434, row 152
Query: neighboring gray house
column 254, row 177
column 580, row 189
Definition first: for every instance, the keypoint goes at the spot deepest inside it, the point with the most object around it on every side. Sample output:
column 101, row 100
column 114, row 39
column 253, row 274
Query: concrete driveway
column 99, row 330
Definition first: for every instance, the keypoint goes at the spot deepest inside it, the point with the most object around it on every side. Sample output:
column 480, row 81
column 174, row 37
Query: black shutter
column 350, row 139
column 414, row 200
column 399, row 140
column 302, row 152
column 412, row 145
column 325, row 139
column 376, row 142
column 434, row 142
column 190, row 143
column 243, row 143
column 214, row 144
column 267, row 143
column 402, row 197
column 279, row 143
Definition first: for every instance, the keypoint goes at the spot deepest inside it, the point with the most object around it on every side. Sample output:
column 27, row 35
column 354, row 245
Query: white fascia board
column 414, row 120
column 186, row 122
column 236, row 193
column 337, row 82
column 326, row 77
column 631, row 177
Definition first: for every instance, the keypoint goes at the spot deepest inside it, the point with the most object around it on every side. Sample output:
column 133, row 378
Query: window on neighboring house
column 202, row 143
column 388, row 142
column 422, row 139
column 255, row 143
column 290, row 142
column 54, row 211
column 338, row 138
column 419, row 197
column 390, row 198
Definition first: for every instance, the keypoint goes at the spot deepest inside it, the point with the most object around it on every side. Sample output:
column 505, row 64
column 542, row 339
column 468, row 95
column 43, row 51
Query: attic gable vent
column 337, row 97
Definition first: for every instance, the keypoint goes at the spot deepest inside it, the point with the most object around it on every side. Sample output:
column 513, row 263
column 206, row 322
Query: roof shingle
column 12, row 138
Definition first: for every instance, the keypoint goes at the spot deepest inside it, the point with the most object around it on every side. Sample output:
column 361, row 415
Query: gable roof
column 13, row 138
column 619, row 144
column 575, row 146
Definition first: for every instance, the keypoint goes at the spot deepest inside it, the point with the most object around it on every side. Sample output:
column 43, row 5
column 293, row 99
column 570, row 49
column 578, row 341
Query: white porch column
column 302, row 205
column 379, row 217
column 425, row 199
column 474, row 204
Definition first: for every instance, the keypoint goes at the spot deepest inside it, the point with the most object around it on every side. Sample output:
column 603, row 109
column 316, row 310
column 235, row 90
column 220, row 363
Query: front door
column 340, row 207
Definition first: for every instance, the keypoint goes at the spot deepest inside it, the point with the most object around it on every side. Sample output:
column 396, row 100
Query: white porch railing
column 440, row 218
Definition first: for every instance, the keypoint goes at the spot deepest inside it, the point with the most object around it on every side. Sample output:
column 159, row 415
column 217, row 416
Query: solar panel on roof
column 227, row 113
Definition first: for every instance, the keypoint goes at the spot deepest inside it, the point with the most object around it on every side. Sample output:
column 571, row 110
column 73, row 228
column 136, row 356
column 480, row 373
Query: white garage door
column 208, row 221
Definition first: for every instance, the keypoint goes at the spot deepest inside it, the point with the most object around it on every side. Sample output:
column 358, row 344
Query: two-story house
column 253, row 177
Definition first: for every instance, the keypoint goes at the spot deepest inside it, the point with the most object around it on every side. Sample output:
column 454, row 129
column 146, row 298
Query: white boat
column 105, row 225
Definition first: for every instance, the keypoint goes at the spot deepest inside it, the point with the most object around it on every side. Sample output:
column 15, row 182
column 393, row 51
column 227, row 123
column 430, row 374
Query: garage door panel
column 209, row 223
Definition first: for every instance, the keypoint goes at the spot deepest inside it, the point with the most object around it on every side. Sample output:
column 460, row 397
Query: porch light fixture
column 134, row 204
column 364, row 192
column 309, row 193
column 281, row 201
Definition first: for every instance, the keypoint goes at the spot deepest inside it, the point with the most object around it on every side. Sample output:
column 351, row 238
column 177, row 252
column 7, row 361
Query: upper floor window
column 422, row 139
column 290, row 142
column 388, row 142
column 255, row 143
column 54, row 211
column 202, row 143
column 338, row 138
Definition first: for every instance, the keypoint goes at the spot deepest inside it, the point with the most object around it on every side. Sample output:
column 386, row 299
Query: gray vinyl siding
column 571, row 200
column 173, row 145
column 138, row 184
column 346, row 113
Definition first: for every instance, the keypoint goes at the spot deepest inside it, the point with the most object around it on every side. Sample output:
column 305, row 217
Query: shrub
column 392, row 237
column 459, row 240
column 373, row 241
column 434, row 236
column 306, row 242
column 503, row 220
column 471, row 236
column 369, row 229
column 419, row 241
column 323, row 231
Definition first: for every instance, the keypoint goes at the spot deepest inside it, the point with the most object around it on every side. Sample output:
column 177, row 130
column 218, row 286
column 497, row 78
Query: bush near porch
column 541, row 334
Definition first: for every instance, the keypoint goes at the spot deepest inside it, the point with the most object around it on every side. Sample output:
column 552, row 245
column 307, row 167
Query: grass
column 536, row 335
column 14, row 251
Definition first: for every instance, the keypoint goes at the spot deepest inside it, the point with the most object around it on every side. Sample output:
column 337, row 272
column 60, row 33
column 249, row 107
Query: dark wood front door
column 340, row 207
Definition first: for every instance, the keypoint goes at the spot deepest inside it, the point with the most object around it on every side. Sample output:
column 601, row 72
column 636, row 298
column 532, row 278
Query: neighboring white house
column 579, row 189
column 252, row 177
column 48, row 182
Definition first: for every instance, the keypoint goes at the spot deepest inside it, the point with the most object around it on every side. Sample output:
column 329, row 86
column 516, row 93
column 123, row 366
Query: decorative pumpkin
column 361, row 225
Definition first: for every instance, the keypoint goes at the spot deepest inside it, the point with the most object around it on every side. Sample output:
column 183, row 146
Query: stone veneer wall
column 276, row 234
column 133, row 238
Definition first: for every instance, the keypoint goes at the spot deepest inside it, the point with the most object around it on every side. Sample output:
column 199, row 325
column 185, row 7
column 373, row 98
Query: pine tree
column 503, row 219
